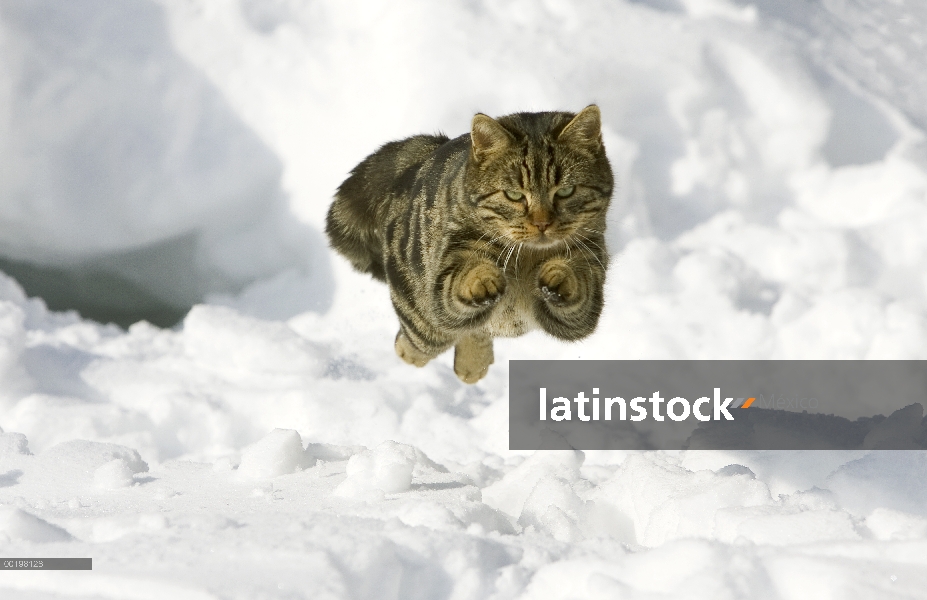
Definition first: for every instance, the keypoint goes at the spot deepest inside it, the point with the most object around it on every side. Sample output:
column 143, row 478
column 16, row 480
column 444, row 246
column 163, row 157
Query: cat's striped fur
column 493, row 233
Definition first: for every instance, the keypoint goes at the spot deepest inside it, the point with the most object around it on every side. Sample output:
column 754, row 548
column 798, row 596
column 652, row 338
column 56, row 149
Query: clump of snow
column 387, row 468
column 555, row 509
column 278, row 453
column 17, row 525
column 78, row 466
column 511, row 492
column 81, row 456
column 113, row 475
column 12, row 444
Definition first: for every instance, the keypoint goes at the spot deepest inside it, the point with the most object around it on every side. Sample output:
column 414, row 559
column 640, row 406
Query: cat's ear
column 585, row 130
column 488, row 137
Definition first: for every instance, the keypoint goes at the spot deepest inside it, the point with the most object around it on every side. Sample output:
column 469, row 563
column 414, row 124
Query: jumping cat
column 493, row 233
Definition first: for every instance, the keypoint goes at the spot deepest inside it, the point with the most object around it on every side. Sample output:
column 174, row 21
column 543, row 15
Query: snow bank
column 130, row 189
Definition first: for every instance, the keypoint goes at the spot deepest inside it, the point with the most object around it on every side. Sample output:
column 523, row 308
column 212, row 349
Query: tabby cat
column 494, row 233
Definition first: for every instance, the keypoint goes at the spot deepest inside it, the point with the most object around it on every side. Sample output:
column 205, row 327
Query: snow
column 771, row 204
column 278, row 453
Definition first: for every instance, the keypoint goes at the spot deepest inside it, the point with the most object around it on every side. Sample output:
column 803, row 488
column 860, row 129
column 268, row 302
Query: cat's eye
column 514, row 196
column 566, row 191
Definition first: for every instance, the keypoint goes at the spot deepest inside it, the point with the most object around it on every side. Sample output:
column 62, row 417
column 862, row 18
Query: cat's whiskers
column 509, row 256
column 498, row 258
column 589, row 240
column 583, row 250
column 480, row 239
column 589, row 251
column 485, row 233
column 488, row 244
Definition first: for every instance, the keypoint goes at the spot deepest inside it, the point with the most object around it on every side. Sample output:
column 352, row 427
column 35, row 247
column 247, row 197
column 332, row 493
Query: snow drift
column 130, row 188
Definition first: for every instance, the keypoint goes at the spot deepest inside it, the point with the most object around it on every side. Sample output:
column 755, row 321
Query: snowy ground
column 772, row 166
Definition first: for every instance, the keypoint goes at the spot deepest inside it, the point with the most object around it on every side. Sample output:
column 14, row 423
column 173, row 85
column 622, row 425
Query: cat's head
column 540, row 178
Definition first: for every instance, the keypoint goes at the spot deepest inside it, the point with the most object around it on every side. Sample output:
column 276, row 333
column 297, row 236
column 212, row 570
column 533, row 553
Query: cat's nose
column 541, row 224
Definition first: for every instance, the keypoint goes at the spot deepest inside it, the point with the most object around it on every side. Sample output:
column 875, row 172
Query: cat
column 493, row 233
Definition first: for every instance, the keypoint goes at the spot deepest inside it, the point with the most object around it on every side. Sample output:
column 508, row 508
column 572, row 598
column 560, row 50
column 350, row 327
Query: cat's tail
column 354, row 219
column 351, row 226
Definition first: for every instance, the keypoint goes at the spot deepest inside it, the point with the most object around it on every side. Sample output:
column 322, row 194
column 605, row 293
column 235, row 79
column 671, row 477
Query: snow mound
column 555, row 509
column 71, row 467
column 511, row 492
column 278, row 453
column 388, row 468
column 84, row 456
column 222, row 339
column 13, row 444
column 665, row 501
column 860, row 485
column 115, row 474
column 194, row 206
column 18, row 525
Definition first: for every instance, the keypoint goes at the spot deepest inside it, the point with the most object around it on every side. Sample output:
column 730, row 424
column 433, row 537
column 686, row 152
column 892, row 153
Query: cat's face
column 540, row 179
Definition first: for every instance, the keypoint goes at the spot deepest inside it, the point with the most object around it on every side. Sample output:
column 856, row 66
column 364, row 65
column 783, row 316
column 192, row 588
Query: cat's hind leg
column 472, row 357
column 409, row 353
column 417, row 342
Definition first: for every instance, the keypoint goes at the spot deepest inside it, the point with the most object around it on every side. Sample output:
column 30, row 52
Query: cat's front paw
column 558, row 284
column 482, row 286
